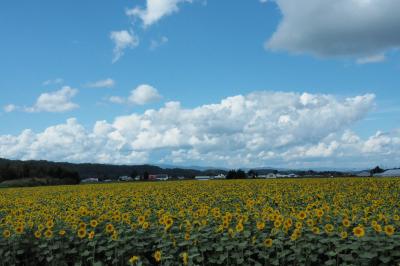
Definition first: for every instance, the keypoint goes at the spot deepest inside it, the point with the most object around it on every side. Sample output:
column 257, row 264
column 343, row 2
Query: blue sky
column 198, row 53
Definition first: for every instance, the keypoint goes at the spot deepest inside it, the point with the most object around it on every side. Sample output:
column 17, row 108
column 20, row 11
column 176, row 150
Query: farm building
column 125, row 178
column 268, row 176
column 90, row 180
column 220, row 176
column 159, row 177
column 204, row 177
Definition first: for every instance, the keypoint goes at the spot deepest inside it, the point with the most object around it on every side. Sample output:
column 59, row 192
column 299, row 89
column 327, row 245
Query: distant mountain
column 192, row 167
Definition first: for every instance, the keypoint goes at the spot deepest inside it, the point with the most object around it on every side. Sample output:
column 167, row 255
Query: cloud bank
column 261, row 128
column 340, row 28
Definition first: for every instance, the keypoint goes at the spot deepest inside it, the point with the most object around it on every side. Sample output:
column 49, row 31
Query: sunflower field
column 344, row 221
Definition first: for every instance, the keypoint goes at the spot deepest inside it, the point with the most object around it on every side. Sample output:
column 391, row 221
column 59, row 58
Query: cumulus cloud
column 143, row 94
column 55, row 102
column 258, row 129
column 341, row 28
column 122, row 40
column 155, row 10
column 104, row 83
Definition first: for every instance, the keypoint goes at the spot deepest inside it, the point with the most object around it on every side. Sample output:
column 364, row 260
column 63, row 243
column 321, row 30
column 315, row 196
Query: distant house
column 268, row 176
column 90, row 180
column 202, row 178
column 364, row 174
column 107, row 181
column 125, row 178
column 181, row 177
column 287, row 175
column 159, row 177
column 389, row 173
column 220, row 176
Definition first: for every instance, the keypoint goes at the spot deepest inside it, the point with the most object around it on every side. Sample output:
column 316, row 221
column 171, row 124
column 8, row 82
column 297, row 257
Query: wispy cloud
column 154, row 44
column 56, row 81
column 104, row 83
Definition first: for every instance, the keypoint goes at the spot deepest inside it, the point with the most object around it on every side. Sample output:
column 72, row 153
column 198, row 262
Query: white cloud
column 55, row 102
column 105, row 83
column 155, row 10
column 53, row 81
column 354, row 28
column 258, row 129
column 10, row 108
column 154, row 44
column 122, row 40
column 371, row 59
column 117, row 99
column 143, row 94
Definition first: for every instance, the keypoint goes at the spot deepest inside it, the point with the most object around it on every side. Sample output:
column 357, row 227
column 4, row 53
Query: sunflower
column 145, row 225
column 187, row 236
column 168, row 223
column 277, row 224
column 260, row 226
column 302, row 215
column 316, row 230
column 48, row 234
column 294, row 237
column 91, row 235
column 109, row 228
column 40, row 227
column 239, row 227
column 185, row 258
column 268, row 242
column 359, row 231
column 389, row 230
column 320, row 213
column 378, row 228
column 61, row 232
column 157, row 256
column 93, row 223
column 81, row 233
column 38, row 234
column 343, row 235
column 310, row 222
column 141, row 219
column 6, row 233
column 225, row 224
column 329, row 228
column 346, row 223
column 50, row 224
column 19, row 230
column 133, row 260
